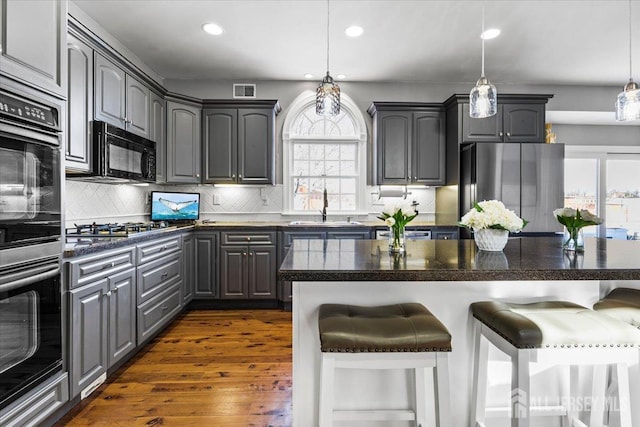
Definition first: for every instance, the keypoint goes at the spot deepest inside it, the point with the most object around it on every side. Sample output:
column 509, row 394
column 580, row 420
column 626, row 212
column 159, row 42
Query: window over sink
column 324, row 153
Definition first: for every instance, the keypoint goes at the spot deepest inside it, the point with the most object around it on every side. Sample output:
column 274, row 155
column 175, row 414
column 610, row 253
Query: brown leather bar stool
column 623, row 304
column 557, row 332
column 400, row 336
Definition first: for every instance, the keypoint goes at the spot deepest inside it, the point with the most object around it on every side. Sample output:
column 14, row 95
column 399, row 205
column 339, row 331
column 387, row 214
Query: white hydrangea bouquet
column 494, row 217
column 396, row 217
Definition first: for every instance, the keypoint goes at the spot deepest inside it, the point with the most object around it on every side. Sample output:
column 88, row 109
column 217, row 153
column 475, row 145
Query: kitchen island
column 445, row 276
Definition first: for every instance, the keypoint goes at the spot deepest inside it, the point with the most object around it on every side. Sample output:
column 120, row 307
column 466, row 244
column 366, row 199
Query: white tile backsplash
column 87, row 202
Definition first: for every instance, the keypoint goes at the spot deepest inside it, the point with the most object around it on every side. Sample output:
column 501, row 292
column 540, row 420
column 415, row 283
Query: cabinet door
column 80, row 105
column 183, row 143
column 352, row 234
column 233, row 272
column 393, row 145
column 523, row 123
column 137, row 102
column 206, row 264
column 220, row 146
column 88, row 343
column 158, row 134
column 428, row 150
column 109, row 92
column 255, row 146
column 122, row 315
column 488, row 129
column 33, row 43
column 188, row 269
column 262, row 272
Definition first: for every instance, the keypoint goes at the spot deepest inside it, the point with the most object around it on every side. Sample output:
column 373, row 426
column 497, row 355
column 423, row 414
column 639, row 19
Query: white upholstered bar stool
column 400, row 336
column 555, row 332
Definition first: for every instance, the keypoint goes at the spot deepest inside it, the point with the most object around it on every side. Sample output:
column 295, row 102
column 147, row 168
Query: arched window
column 324, row 153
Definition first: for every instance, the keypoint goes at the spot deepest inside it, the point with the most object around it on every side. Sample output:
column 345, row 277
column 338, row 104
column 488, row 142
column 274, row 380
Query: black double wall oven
column 30, row 240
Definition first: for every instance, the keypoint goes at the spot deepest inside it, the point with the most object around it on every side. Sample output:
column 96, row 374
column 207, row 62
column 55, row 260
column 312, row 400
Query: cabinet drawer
column 290, row 236
column 245, row 238
column 96, row 267
column 157, row 312
column 156, row 276
column 35, row 407
column 157, row 248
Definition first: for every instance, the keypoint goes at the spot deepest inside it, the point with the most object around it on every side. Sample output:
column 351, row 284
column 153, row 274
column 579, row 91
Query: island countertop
column 524, row 258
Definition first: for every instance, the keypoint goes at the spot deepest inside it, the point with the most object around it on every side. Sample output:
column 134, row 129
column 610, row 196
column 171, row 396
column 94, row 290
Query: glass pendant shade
column 628, row 103
column 328, row 97
column 483, row 99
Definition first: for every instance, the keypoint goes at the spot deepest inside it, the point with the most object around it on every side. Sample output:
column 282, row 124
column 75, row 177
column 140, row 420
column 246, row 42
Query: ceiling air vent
column 244, row 90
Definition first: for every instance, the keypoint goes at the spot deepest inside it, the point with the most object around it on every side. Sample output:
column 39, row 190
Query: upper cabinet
column 80, row 106
column 35, row 54
column 158, row 133
column 183, row 143
column 120, row 99
column 409, row 143
column 239, row 141
column 520, row 118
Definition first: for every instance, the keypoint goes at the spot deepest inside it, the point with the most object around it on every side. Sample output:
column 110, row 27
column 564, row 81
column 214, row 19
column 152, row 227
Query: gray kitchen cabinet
column 79, row 105
column 206, row 265
column 248, row 265
column 188, row 268
column 183, row 143
column 239, row 142
column 122, row 315
column 157, row 312
column 409, row 140
column 351, row 234
column 158, row 133
column 33, row 46
column 120, row 99
column 34, row 408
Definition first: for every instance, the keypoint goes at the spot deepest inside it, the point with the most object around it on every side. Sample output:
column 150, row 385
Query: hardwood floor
column 209, row 368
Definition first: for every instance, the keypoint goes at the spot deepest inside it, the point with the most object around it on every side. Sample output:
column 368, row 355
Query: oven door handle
column 27, row 277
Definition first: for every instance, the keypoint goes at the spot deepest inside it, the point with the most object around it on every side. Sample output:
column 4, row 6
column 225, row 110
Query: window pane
column 332, row 168
column 348, row 152
column 333, row 152
column 348, row 185
column 316, row 152
column 333, row 185
column 623, row 198
column 300, row 168
column 348, row 168
column 317, row 168
column 348, row 203
column 301, row 151
column 581, row 183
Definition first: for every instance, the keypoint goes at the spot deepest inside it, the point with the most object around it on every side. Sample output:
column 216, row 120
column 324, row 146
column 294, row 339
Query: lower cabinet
column 103, row 327
column 248, row 272
column 206, row 265
column 34, row 408
column 157, row 312
column 188, row 269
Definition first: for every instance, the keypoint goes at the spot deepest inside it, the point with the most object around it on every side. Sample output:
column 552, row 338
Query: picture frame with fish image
column 174, row 206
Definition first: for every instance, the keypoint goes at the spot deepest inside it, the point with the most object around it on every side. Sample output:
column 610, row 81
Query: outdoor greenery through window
column 324, row 155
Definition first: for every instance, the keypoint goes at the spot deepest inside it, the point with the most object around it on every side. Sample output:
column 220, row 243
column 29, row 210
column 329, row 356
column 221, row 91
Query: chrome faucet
column 325, row 206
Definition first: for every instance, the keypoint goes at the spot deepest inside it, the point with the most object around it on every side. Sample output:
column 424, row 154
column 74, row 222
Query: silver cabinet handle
column 107, row 294
column 233, row 175
column 508, row 134
column 415, row 178
column 500, row 134
column 248, row 238
column 164, row 275
column 244, row 254
column 115, row 291
column 197, row 175
column 109, row 265
column 164, row 307
column 239, row 176
column 163, row 248
column 250, row 253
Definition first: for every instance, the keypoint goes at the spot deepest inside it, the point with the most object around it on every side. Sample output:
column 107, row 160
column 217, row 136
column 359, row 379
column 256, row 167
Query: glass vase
column 573, row 240
column 396, row 239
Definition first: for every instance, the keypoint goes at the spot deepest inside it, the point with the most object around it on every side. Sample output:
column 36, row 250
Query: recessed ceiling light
column 341, row 76
column 212, row 28
column 489, row 34
column 308, row 76
column 354, row 31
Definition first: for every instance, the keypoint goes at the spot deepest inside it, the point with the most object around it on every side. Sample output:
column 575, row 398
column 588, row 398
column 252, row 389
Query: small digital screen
column 174, row 206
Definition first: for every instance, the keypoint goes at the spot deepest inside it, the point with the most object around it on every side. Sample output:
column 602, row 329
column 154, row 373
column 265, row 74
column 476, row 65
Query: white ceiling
column 542, row 41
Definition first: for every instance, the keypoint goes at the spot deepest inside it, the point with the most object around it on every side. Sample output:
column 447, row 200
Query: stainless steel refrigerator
column 528, row 178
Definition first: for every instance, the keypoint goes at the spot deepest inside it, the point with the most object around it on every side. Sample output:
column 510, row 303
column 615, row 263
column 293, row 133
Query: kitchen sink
column 325, row 223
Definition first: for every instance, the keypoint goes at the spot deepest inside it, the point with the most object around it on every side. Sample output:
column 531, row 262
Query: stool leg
column 420, row 404
column 327, row 373
column 443, row 394
column 574, row 393
column 520, row 391
column 480, row 366
column 622, row 374
column 598, row 389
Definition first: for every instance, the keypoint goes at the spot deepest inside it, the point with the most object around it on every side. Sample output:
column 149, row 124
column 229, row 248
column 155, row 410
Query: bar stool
column 400, row 336
column 623, row 304
column 558, row 332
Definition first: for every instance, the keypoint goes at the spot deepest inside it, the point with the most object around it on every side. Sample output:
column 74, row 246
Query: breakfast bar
column 446, row 276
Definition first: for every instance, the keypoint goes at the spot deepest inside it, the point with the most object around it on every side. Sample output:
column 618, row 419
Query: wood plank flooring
column 209, row 368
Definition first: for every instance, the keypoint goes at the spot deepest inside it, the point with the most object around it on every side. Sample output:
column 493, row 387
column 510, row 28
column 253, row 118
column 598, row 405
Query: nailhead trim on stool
column 384, row 337
column 560, row 332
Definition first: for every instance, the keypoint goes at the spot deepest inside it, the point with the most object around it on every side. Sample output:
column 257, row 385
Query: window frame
column 300, row 104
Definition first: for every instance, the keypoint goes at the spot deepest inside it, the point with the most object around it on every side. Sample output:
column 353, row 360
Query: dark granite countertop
column 524, row 258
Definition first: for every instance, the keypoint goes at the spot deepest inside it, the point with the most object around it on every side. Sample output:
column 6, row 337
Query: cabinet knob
column 239, row 176
column 244, row 254
column 500, row 134
column 509, row 134
column 233, row 175
column 115, row 291
column 250, row 253
column 415, row 178
column 248, row 238
column 197, row 175
column 164, row 275
column 107, row 294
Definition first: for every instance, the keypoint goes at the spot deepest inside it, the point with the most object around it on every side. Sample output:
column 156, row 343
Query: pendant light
column 328, row 93
column 628, row 101
column 483, row 98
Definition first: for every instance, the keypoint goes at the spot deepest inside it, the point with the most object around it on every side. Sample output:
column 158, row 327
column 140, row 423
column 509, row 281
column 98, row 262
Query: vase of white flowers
column 574, row 220
column 396, row 217
column 491, row 223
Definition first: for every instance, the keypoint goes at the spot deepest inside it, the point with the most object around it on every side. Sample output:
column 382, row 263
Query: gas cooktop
column 112, row 229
